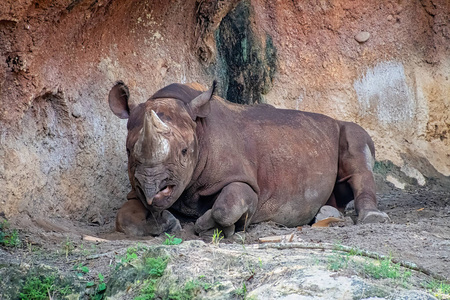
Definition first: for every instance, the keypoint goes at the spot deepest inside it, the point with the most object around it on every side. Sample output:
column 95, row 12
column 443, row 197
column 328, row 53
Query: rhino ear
column 199, row 106
column 118, row 100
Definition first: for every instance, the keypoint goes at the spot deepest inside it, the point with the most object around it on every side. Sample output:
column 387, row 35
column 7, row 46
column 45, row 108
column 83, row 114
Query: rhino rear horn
column 159, row 125
column 118, row 100
column 199, row 106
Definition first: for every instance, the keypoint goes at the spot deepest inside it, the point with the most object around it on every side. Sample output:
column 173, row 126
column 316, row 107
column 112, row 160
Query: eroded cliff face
column 62, row 151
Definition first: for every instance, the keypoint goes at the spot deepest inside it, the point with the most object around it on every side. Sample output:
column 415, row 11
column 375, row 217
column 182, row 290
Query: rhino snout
column 153, row 192
column 164, row 192
column 146, row 194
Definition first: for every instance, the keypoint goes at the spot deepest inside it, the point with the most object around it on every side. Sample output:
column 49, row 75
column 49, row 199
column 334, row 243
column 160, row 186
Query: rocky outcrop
column 62, row 152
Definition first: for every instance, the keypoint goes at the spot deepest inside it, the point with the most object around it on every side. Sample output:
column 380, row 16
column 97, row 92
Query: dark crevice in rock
column 246, row 63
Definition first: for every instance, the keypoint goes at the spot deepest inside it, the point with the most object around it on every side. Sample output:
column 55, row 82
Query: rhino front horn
column 152, row 146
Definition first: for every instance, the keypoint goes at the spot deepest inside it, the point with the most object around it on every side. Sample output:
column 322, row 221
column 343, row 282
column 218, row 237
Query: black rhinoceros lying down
column 225, row 165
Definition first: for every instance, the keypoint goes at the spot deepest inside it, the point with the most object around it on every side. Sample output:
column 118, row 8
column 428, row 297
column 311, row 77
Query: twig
column 94, row 256
column 370, row 254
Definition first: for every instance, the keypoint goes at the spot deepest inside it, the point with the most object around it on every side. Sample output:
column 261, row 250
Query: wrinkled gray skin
column 227, row 166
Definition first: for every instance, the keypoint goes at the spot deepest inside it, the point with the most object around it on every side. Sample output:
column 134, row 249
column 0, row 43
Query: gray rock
column 328, row 211
column 77, row 110
column 362, row 37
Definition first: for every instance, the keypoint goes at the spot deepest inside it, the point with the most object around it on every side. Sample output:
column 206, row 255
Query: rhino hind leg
column 355, row 176
column 135, row 220
column 233, row 208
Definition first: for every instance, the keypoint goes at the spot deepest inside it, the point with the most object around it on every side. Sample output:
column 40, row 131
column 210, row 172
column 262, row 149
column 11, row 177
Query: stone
column 77, row 110
column 362, row 37
column 328, row 211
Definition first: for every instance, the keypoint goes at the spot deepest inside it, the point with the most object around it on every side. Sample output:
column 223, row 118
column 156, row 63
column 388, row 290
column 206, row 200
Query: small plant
column 242, row 238
column 81, row 270
column 217, row 237
column 338, row 261
column 148, row 291
column 440, row 289
column 101, row 287
column 385, row 269
column 85, row 251
column 85, row 269
column 242, row 291
column 172, row 240
column 40, row 287
column 191, row 289
column 68, row 247
column 155, row 268
column 8, row 238
column 129, row 257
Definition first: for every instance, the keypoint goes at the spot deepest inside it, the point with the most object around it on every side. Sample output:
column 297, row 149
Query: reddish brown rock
column 62, row 151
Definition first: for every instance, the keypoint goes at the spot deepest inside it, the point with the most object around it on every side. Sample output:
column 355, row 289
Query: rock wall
column 62, row 151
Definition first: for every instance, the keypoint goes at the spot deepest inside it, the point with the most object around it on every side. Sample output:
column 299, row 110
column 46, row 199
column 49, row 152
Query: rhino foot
column 373, row 216
column 205, row 226
column 135, row 220
column 172, row 224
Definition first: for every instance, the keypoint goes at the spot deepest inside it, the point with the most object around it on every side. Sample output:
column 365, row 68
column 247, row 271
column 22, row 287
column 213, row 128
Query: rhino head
column 162, row 145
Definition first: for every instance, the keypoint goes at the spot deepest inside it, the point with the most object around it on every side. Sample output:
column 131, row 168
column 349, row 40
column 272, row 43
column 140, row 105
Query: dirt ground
column 419, row 232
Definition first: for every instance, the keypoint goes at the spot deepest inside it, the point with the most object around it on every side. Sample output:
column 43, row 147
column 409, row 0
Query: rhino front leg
column 136, row 220
column 234, row 206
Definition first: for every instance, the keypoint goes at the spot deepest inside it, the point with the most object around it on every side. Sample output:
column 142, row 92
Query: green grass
column 191, row 289
column 338, row 261
column 8, row 237
column 148, row 290
column 155, row 267
column 128, row 257
column 39, row 287
column 81, row 270
column 217, row 237
column 377, row 269
column 439, row 289
column 385, row 269
column 100, row 289
column 172, row 240
column 242, row 291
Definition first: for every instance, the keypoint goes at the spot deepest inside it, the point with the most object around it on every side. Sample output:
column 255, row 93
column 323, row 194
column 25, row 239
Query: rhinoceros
column 194, row 155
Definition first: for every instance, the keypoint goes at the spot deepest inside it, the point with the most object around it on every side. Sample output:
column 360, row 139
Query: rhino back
column 290, row 158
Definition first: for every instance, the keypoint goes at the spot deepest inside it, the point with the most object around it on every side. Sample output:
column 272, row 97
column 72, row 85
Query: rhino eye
column 184, row 151
column 128, row 152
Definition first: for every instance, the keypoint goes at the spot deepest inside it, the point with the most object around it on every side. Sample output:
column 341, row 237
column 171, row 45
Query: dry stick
column 370, row 254
column 94, row 256
column 245, row 223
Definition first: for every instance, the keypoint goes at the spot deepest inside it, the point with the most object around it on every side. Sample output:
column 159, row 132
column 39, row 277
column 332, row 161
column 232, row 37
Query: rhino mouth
column 165, row 191
column 150, row 198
